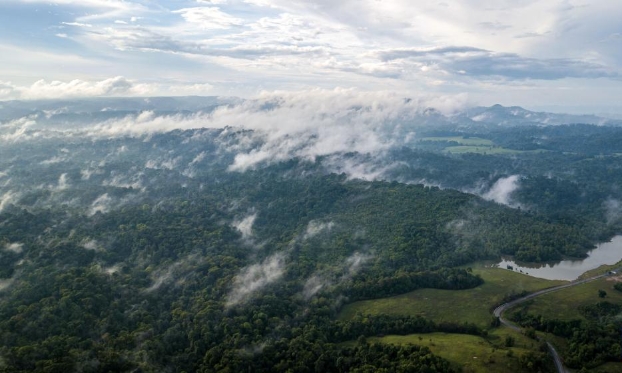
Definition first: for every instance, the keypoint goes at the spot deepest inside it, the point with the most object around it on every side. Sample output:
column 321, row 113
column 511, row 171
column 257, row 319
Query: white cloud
column 501, row 191
column 302, row 124
column 255, row 277
column 91, row 245
column 248, row 45
column 355, row 262
column 5, row 284
column 245, row 226
column 15, row 247
column 316, row 227
column 209, row 18
column 117, row 86
column 77, row 24
column 77, row 88
column 63, row 182
column 101, row 204
column 313, row 285
column 8, row 198
column 613, row 210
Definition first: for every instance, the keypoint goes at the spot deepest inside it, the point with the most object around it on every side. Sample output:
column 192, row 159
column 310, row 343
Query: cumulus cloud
column 502, row 189
column 116, row 86
column 255, row 277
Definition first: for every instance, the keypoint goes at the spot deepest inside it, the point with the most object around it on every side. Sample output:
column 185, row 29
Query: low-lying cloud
column 502, row 190
column 255, row 277
column 245, row 226
column 317, row 227
column 15, row 247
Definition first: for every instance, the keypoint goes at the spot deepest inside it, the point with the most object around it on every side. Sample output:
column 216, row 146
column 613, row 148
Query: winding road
column 498, row 312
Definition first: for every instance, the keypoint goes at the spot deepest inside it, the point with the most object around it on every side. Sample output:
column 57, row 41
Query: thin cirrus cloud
column 479, row 62
column 243, row 46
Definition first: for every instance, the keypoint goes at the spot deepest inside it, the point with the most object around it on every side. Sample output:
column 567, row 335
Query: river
column 604, row 253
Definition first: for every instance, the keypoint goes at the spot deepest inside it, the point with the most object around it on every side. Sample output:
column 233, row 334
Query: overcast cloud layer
column 556, row 52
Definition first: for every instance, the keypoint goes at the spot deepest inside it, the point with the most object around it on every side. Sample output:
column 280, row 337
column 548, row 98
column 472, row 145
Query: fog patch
column 253, row 278
column 102, row 204
column 121, row 181
column 63, row 182
column 613, row 210
column 53, row 160
column 88, row 172
column 245, row 226
column 316, row 227
column 112, row 269
column 165, row 164
column 15, row 247
column 8, row 198
column 91, row 245
column 17, row 129
column 332, row 278
column 313, row 285
column 176, row 272
column 502, row 190
column 367, row 170
column 5, row 284
column 355, row 262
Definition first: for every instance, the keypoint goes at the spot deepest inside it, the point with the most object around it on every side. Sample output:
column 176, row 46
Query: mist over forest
column 220, row 234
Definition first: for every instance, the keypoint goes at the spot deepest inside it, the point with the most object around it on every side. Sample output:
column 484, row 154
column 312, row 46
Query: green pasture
column 472, row 353
column 471, row 305
column 564, row 304
column 471, row 141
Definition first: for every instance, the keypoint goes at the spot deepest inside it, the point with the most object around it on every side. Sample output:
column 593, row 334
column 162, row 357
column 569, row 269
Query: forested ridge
column 151, row 254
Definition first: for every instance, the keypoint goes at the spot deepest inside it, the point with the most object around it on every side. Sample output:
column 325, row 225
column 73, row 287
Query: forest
column 148, row 253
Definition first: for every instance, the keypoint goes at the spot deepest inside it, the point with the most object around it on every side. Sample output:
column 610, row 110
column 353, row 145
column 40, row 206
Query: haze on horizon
column 562, row 55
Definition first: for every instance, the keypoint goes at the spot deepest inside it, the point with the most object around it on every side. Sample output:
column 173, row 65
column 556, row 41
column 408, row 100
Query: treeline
column 591, row 342
column 380, row 325
column 372, row 285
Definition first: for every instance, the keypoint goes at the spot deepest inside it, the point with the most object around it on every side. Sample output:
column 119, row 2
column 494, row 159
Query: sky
column 563, row 54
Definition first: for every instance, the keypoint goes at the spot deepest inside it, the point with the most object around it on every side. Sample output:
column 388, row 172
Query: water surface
column 604, row 253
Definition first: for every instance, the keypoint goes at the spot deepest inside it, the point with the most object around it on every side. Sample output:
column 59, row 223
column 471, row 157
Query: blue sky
column 556, row 53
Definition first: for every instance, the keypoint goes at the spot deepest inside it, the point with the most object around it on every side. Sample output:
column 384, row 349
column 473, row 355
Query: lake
column 604, row 253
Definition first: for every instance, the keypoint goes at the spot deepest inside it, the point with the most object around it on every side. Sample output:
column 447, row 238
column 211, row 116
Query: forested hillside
column 155, row 252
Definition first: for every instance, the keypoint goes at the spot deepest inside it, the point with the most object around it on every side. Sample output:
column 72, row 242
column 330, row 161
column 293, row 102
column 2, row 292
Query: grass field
column 481, row 150
column 472, row 353
column 474, row 145
column 470, row 141
column 472, row 305
column 564, row 304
